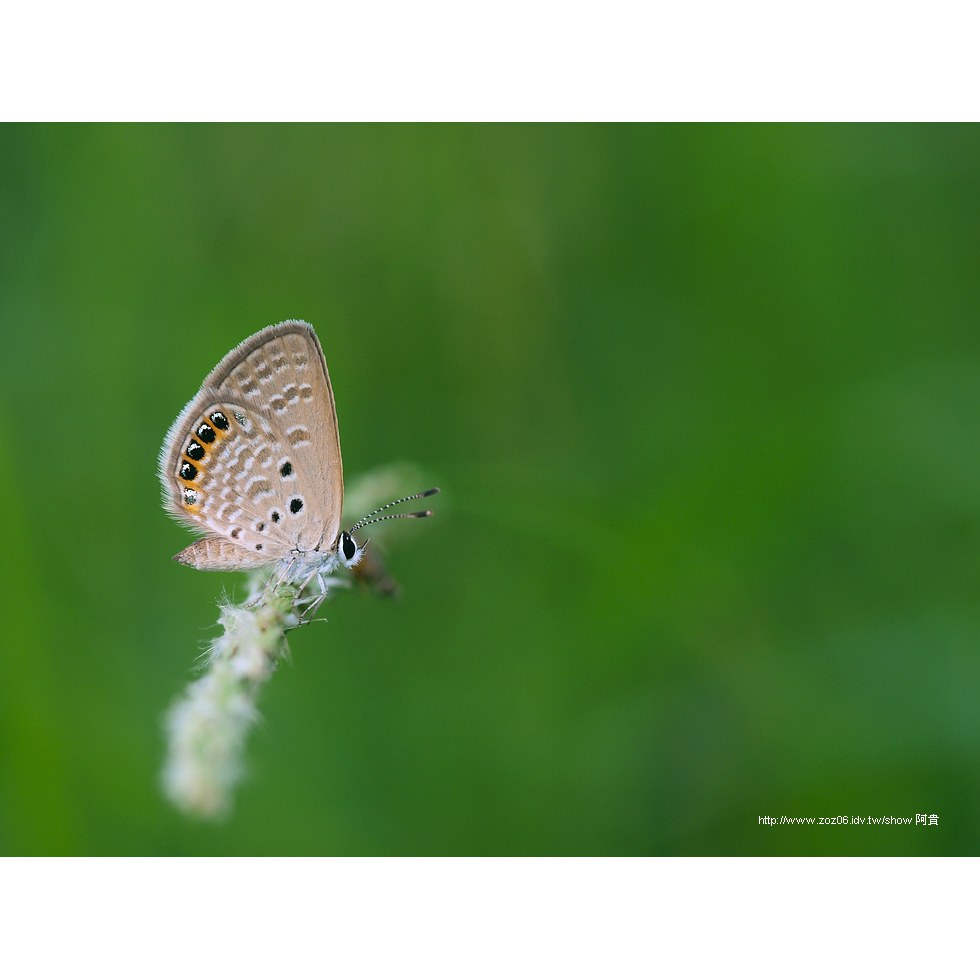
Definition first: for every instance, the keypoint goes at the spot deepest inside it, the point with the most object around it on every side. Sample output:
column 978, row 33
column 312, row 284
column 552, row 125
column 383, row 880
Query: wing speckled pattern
column 254, row 459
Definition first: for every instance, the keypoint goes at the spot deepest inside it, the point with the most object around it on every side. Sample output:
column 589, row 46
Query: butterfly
column 254, row 462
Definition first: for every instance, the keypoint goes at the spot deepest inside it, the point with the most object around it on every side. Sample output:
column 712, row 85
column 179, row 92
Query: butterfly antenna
column 372, row 519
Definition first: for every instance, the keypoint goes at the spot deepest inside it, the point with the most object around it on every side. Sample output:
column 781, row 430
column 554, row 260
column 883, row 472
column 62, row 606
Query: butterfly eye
column 348, row 550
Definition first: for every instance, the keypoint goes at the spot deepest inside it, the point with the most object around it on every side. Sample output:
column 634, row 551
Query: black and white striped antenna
column 373, row 519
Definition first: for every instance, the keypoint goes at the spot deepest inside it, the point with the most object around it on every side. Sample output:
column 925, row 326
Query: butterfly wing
column 254, row 458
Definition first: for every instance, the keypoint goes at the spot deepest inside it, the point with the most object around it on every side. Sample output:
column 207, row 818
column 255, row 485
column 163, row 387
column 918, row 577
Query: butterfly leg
column 311, row 602
column 315, row 601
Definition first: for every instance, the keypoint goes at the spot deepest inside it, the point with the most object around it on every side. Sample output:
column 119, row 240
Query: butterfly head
column 348, row 550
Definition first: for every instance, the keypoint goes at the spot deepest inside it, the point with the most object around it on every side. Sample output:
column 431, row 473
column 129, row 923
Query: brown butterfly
column 254, row 462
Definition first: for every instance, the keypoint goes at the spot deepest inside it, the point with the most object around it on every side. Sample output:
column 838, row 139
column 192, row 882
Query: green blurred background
column 703, row 401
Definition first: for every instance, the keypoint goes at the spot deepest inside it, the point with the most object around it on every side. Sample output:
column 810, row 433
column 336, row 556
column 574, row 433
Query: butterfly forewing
column 254, row 459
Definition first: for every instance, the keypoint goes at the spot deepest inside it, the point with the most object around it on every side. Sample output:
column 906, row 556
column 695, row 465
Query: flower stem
column 208, row 725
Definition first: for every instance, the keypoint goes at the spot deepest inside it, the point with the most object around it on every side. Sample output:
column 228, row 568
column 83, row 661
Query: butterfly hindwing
column 217, row 554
